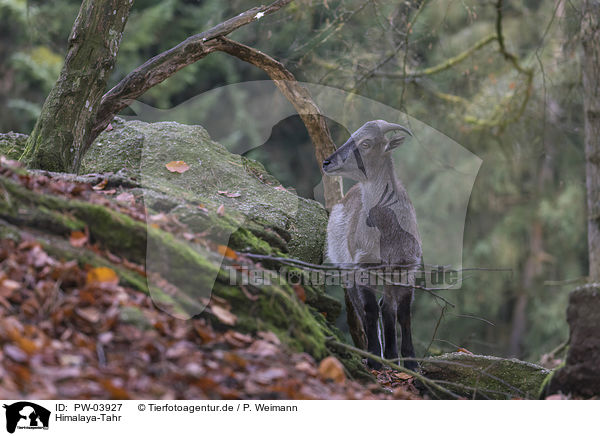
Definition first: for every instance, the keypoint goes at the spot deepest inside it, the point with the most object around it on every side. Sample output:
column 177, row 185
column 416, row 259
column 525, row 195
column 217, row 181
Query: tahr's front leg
column 371, row 325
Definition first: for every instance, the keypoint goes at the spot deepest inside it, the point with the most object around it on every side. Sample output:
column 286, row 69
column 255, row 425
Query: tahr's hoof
column 412, row 365
column 373, row 364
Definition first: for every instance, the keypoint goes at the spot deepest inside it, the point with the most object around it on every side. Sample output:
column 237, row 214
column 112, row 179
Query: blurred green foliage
column 527, row 208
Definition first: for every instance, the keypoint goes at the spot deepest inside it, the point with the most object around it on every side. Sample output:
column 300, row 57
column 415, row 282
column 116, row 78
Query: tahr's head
column 363, row 155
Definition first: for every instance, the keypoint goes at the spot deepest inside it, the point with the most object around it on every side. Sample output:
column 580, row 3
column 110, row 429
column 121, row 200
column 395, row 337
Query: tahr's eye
column 365, row 144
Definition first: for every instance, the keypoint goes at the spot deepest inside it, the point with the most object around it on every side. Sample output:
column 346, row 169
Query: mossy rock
column 486, row 377
column 256, row 199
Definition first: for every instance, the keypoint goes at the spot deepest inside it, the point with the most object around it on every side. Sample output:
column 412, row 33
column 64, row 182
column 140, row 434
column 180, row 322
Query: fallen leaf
column 331, row 369
column 102, row 275
column 227, row 252
column 90, row 314
column 262, row 349
column 300, row 293
column 125, row 197
column 225, row 316
column 307, row 368
column 177, row 166
column 270, row 337
column 268, row 375
column 221, row 210
column 71, row 360
column 7, row 286
column 100, row 186
column 237, row 339
column 109, row 127
column 78, row 238
column 402, row 376
column 15, row 353
column 158, row 218
column 115, row 392
column 230, row 194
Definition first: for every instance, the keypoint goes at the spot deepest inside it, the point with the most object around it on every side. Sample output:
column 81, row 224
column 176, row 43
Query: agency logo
column 24, row 415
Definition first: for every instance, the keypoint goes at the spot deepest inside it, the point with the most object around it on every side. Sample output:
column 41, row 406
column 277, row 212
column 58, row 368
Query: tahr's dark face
column 362, row 155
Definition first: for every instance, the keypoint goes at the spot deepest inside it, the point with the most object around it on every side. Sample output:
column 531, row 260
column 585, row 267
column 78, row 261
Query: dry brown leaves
column 63, row 335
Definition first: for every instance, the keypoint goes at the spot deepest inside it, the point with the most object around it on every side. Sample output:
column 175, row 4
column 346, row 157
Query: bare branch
column 164, row 65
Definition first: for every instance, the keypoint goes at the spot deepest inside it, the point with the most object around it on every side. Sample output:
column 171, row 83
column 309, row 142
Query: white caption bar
column 152, row 417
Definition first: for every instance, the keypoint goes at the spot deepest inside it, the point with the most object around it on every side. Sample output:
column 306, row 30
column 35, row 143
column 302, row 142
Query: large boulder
column 254, row 198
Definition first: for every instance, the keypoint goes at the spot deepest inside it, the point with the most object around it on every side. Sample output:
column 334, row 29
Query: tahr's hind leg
column 404, row 315
column 390, row 336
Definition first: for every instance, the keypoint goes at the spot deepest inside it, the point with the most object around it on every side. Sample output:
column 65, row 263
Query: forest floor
column 73, row 331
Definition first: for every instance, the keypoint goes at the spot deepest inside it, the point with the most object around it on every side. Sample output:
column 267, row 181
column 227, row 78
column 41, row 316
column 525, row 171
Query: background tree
column 579, row 374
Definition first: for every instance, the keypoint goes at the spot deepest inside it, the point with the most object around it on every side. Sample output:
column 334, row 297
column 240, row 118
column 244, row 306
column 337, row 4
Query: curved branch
column 164, row 65
column 300, row 98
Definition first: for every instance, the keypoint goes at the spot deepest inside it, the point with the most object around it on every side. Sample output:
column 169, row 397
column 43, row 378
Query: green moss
column 491, row 377
column 543, row 390
column 133, row 315
column 8, row 231
column 12, row 144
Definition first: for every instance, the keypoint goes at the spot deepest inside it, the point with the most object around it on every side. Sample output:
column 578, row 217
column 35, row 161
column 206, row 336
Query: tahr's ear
column 394, row 141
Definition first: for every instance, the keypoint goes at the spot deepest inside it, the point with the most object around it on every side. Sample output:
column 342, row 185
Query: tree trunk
column 58, row 140
column 579, row 376
column 590, row 27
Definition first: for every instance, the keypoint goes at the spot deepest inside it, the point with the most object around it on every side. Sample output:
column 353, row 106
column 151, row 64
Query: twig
column 576, row 280
column 437, row 325
column 558, row 349
column 333, row 27
column 474, row 317
column 447, row 64
column 354, row 267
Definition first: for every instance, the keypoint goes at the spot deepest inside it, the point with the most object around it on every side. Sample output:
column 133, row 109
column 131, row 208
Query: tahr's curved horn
column 388, row 127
